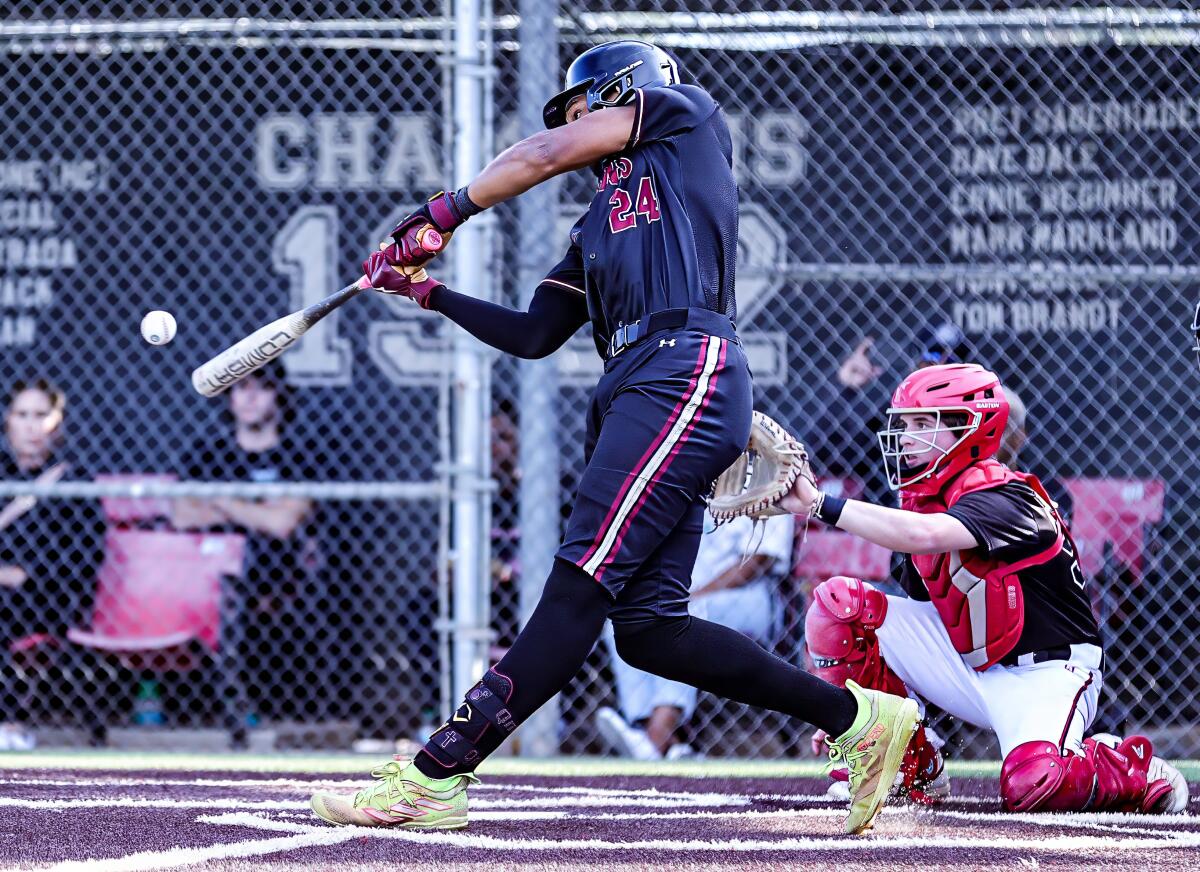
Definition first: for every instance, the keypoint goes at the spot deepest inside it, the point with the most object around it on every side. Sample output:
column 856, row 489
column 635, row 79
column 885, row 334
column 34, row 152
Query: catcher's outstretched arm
column 904, row 531
column 895, row 529
column 553, row 317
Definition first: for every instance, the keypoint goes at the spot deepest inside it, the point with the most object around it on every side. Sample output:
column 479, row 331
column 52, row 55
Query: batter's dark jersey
column 672, row 411
column 1011, row 523
column 661, row 230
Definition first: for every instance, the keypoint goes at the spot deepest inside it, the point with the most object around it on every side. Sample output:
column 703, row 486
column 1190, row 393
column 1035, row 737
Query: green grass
column 359, row 764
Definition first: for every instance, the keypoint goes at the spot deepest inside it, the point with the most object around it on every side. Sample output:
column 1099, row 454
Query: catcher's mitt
column 762, row 476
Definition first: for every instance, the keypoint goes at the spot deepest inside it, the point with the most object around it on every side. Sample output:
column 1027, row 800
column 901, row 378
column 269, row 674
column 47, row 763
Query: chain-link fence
column 1015, row 182
column 228, row 169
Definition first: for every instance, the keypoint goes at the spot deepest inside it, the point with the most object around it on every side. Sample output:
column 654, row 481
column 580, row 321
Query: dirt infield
column 125, row 819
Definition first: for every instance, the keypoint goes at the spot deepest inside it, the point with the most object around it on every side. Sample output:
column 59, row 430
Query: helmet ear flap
column 672, row 71
column 614, row 91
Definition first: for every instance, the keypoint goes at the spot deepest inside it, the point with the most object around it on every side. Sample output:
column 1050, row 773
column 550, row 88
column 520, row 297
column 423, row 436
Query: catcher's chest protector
column 980, row 601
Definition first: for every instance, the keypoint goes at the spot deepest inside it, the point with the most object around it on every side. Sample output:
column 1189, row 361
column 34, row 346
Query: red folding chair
column 1116, row 510
column 157, row 591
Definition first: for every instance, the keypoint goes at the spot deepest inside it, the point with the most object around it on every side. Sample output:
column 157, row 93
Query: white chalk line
column 294, row 784
column 175, row 857
column 585, row 798
column 1076, row 818
column 500, row 810
column 293, row 805
column 650, row 799
column 707, row 798
column 511, row 810
column 280, row 784
column 324, row 784
column 304, row 835
column 714, row 801
column 128, row 802
column 877, row 842
column 1101, row 821
column 822, row 799
column 254, row 821
column 1105, row 821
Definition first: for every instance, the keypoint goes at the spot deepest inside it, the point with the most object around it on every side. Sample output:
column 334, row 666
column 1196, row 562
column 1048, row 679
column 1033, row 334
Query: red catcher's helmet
column 962, row 390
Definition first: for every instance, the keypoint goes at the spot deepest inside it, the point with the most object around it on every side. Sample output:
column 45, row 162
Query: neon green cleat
column 403, row 796
column 873, row 749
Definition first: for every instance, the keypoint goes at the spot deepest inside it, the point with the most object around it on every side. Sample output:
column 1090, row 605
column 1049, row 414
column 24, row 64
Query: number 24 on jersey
column 626, row 209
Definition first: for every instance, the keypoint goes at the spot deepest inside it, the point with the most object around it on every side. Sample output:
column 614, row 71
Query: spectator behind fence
column 1011, row 443
column 262, row 617
column 50, row 550
column 735, row 583
column 845, row 445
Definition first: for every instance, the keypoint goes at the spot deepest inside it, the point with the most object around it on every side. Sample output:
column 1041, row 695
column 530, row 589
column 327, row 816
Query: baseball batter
column 651, row 266
column 998, row 629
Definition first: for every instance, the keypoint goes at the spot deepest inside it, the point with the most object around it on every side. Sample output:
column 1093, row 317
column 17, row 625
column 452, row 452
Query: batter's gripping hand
column 410, row 244
column 764, row 474
column 410, row 282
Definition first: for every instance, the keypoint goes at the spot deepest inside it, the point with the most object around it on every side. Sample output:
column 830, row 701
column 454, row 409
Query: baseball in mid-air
column 158, row 327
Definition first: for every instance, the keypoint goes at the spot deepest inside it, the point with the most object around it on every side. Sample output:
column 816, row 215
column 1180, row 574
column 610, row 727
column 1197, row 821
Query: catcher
column 998, row 630
column 651, row 266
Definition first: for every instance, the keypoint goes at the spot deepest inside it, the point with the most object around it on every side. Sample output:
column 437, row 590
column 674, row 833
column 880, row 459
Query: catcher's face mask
column 917, row 442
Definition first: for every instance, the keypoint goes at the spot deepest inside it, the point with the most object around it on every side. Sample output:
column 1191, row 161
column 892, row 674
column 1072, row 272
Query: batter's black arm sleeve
column 555, row 313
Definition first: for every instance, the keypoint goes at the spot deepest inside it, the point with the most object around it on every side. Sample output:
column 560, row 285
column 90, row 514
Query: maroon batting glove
column 412, row 245
column 382, row 276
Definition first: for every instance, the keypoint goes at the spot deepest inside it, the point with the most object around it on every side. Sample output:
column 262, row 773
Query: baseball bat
column 267, row 343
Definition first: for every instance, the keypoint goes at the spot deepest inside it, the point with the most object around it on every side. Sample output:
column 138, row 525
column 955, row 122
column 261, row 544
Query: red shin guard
column 1122, row 775
column 1036, row 777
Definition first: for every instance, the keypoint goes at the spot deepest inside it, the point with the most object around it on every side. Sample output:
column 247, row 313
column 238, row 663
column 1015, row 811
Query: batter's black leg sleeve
column 725, row 662
column 546, row 655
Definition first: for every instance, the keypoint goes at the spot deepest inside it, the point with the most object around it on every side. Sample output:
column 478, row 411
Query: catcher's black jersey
column 1011, row 523
column 661, row 231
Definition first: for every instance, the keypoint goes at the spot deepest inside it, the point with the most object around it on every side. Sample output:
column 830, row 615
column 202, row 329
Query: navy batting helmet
column 608, row 74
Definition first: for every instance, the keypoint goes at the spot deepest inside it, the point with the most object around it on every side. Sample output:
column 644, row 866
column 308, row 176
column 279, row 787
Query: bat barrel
column 257, row 349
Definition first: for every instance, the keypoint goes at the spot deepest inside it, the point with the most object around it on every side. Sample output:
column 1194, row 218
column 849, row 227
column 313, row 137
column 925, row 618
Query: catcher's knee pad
column 1036, row 777
column 839, row 630
column 485, row 707
column 1121, row 772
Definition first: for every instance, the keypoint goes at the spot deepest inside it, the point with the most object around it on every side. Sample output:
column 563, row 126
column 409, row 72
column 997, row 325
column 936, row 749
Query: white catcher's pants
column 1054, row 701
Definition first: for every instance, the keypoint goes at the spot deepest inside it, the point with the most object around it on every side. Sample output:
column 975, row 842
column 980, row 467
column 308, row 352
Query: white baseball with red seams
column 158, row 327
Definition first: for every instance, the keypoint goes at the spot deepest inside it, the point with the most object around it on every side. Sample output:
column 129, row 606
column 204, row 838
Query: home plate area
column 128, row 819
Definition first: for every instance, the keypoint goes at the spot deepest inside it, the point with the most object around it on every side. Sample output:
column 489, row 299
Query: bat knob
column 430, row 239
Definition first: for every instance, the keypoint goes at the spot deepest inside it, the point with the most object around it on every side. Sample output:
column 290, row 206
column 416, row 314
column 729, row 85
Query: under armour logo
column 662, row 342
